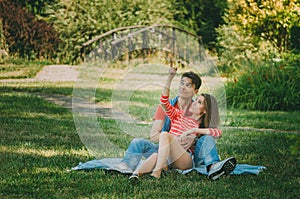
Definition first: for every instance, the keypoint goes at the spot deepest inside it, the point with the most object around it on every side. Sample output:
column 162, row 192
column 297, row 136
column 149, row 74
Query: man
column 205, row 149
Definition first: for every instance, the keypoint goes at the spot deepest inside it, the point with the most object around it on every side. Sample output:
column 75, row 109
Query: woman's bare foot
column 156, row 174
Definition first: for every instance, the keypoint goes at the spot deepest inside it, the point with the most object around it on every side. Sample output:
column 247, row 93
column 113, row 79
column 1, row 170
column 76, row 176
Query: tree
column 202, row 17
column 271, row 20
column 255, row 31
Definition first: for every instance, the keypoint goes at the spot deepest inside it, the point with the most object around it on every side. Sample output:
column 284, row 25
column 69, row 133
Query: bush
column 36, row 7
column 268, row 86
column 26, row 36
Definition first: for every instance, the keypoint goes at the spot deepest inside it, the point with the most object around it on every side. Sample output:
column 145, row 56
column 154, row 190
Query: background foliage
column 256, row 30
column 267, row 86
column 25, row 35
column 268, row 19
column 248, row 35
column 36, row 7
column 257, row 51
column 202, row 17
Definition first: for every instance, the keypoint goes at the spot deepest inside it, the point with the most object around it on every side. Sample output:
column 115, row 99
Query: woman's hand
column 197, row 131
column 187, row 139
column 188, row 132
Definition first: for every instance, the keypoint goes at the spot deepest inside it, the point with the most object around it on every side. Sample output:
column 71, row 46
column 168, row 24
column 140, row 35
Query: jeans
column 205, row 151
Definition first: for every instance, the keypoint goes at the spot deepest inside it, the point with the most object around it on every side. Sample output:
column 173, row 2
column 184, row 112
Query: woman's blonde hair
column 212, row 117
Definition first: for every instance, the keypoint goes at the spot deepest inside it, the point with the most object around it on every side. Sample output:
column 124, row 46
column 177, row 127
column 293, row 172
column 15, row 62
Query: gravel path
column 52, row 73
column 58, row 73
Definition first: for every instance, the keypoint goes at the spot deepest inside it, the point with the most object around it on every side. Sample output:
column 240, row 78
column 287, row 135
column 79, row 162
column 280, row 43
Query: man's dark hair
column 194, row 77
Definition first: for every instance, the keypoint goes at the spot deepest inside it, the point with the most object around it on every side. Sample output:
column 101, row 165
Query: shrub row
column 268, row 86
column 26, row 36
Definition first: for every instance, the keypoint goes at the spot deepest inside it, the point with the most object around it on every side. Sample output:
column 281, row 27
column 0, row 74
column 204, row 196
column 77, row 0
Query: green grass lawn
column 19, row 68
column 39, row 143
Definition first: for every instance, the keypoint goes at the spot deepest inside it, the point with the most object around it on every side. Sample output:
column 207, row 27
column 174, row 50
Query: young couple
column 185, row 131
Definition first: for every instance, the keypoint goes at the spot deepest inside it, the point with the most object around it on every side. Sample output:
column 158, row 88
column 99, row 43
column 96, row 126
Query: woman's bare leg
column 147, row 166
column 170, row 148
column 180, row 158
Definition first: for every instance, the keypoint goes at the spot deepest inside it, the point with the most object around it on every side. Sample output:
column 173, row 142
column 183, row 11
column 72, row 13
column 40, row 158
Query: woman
column 175, row 145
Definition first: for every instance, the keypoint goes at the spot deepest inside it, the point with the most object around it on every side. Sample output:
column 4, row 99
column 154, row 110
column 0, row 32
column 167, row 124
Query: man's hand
column 172, row 72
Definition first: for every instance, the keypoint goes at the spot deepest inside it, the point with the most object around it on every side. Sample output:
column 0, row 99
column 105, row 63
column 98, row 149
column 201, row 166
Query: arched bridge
column 177, row 44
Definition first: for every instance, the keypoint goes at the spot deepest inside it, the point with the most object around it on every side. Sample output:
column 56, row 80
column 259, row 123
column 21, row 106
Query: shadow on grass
column 30, row 120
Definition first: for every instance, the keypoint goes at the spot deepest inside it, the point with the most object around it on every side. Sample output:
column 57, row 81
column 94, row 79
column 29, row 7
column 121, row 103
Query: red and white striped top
column 180, row 122
column 216, row 133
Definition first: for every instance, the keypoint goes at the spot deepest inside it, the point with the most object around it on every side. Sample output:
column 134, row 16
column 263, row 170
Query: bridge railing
column 142, row 40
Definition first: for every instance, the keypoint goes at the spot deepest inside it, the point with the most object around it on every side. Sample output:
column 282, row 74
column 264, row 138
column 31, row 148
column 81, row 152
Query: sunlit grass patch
column 31, row 149
column 279, row 120
column 19, row 68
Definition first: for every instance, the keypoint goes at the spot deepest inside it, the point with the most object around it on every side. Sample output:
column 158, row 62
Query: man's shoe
column 224, row 167
column 134, row 179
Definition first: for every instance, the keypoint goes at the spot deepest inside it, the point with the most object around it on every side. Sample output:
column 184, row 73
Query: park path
column 65, row 73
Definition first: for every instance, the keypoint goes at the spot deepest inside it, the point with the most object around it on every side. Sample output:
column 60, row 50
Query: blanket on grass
column 108, row 163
